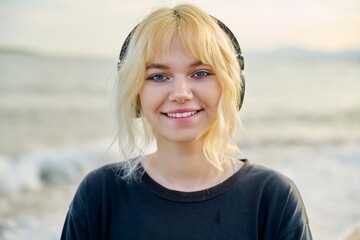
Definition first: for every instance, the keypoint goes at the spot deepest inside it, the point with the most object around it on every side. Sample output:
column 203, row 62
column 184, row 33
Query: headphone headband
column 234, row 41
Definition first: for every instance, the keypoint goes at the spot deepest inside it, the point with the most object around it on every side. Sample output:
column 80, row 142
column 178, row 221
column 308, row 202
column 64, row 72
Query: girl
column 180, row 83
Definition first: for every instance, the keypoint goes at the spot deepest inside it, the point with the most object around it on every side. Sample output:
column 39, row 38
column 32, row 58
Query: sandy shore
column 355, row 235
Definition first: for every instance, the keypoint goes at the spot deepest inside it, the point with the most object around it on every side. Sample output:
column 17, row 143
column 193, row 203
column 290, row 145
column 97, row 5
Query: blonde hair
column 205, row 41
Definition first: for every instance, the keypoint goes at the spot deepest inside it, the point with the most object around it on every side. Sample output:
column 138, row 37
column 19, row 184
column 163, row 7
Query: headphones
column 228, row 32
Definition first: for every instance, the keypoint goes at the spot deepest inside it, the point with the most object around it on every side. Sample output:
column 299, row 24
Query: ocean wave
column 32, row 172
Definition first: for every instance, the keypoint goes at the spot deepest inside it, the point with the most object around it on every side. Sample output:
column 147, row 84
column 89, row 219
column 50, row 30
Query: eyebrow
column 162, row 66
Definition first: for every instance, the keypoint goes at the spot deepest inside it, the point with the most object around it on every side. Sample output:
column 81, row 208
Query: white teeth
column 181, row 115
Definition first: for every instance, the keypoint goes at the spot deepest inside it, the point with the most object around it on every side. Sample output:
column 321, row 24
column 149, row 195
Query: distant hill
column 296, row 52
column 36, row 53
column 15, row 50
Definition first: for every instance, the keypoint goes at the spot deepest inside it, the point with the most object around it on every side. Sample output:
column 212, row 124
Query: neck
column 181, row 167
column 181, row 158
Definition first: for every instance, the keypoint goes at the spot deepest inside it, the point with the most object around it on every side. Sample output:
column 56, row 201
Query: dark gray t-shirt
column 254, row 203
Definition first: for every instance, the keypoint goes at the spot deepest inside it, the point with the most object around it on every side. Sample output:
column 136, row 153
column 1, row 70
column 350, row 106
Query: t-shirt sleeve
column 75, row 226
column 286, row 209
column 295, row 222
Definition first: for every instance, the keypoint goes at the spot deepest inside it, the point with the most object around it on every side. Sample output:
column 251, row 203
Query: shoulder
column 269, row 179
column 98, row 193
column 100, row 174
column 280, row 201
column 118, row 174
column 98, row 185
column 112, row 173
column 273, row 187
column 266, row 186
column 103, row 179
column 95, row 182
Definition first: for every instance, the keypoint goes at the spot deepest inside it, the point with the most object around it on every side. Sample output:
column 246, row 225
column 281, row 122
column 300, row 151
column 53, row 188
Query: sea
column 301, row 117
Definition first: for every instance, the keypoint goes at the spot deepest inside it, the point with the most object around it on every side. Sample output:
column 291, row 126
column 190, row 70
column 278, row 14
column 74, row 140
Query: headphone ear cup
column 239, row 57
column 124, row 48
column 242, row 90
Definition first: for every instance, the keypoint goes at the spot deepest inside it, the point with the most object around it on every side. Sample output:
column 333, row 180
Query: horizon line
column 290, row 50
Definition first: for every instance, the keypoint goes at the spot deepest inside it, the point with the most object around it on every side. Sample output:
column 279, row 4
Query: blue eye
column 201, row 74
column 158, row 78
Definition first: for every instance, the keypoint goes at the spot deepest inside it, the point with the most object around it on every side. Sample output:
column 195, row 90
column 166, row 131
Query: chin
column 181, row 138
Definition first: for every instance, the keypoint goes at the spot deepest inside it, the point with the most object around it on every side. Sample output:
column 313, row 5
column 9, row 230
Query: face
column 180, row 96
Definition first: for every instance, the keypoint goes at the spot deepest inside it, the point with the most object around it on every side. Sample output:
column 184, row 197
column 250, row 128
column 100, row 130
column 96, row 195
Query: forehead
column 175, row 47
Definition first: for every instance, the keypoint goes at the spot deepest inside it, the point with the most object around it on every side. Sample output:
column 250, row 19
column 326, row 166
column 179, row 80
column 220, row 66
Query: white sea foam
column 31, row 172
column 19, row 175
column 55, row 167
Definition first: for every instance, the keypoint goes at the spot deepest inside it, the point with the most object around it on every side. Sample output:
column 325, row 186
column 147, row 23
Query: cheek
column 149, row 99
column 214, row 94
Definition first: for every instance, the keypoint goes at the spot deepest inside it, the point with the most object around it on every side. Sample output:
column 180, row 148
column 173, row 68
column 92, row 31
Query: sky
column 98, row 27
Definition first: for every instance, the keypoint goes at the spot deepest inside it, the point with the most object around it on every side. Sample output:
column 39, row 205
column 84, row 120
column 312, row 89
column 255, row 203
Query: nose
column 181, row 90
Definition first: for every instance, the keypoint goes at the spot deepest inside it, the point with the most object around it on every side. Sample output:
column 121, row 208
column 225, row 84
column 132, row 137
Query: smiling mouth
column 182, row 114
